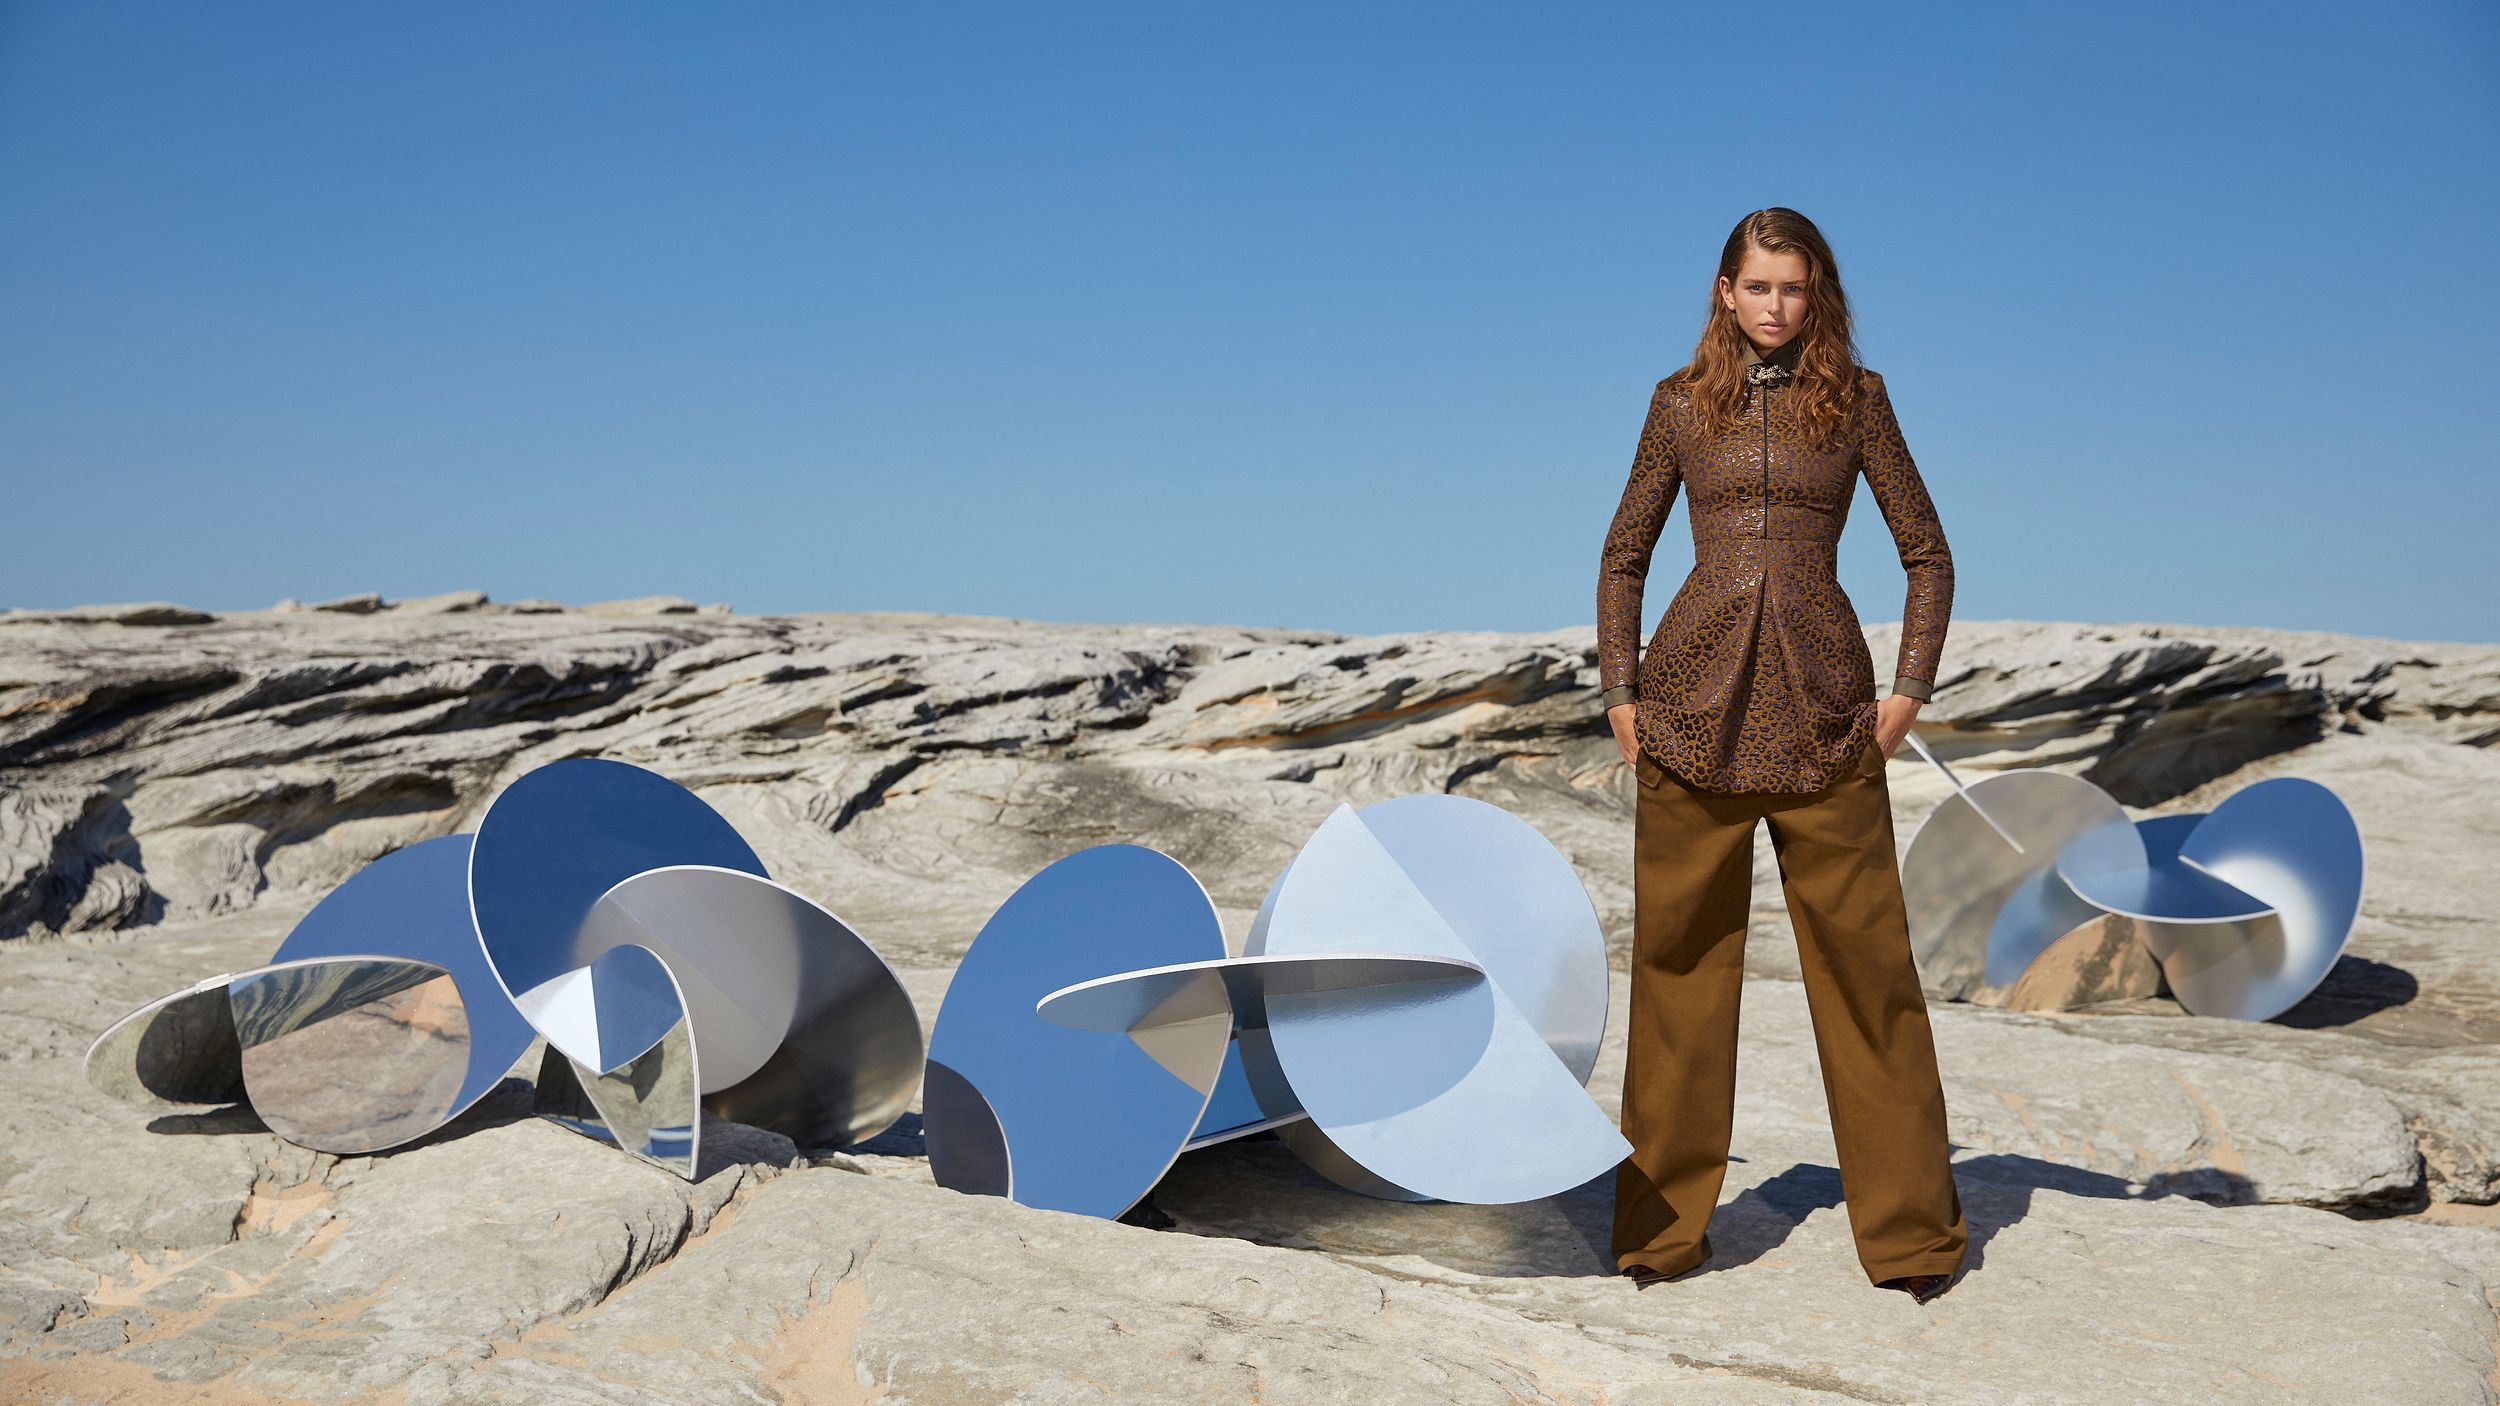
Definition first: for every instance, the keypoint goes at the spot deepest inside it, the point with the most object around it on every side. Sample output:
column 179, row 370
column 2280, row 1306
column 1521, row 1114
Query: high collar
column 1784, row 357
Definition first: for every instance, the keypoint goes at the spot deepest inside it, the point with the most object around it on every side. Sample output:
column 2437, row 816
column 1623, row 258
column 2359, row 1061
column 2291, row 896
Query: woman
column 1756, row 701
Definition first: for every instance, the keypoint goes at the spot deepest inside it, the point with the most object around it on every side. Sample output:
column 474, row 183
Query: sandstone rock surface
column 2163, row 1207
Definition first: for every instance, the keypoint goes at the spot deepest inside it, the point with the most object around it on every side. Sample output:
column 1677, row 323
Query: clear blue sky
column 1335, row 316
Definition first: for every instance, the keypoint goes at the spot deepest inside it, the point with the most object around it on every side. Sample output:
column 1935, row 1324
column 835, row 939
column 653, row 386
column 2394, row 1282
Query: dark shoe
column 1920, row 1287
column 1148, row 1215
column 1642, row 1276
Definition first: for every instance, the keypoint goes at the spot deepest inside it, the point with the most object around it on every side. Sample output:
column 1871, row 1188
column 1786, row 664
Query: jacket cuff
column 1620, row 693
column 1909, row 687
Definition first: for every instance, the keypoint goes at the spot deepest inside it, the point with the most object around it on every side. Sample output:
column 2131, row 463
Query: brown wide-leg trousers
column 1692, row 889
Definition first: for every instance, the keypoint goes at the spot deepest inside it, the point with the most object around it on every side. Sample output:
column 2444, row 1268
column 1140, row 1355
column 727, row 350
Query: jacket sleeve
column 1624, row 563
column 1902, row 495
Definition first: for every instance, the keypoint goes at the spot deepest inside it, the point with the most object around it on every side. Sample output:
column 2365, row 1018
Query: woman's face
column 1768, row 297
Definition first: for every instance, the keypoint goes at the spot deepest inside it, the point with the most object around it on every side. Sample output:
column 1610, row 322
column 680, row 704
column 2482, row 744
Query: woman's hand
column 1619, row 717
column 1893, row 717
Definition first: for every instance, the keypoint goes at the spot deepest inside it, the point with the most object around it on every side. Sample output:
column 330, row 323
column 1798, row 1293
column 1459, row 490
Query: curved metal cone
column 734, row 942
column 1981, row 909
column 2292, row 844
column 351, row 1054
column 803, row 1028
column 1474, row 1105
column 175, row 1049
column 413, row 904
column 605, row 1013
column 558, row 839
column 646, row 1103
column 1088, row 1120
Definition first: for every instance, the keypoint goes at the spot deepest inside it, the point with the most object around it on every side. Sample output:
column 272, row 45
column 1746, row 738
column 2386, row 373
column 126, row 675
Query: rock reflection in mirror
column 351, row 1054
column 645, row 1105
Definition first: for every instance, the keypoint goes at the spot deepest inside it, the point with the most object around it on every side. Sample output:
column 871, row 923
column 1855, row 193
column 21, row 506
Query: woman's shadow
column 1996, row 1191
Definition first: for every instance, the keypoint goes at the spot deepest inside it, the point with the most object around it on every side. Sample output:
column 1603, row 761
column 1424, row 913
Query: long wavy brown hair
column 1826, row 384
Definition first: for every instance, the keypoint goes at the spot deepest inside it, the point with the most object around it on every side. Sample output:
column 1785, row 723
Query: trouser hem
column 1628, row 1267
column 1929, row 1265
column 1653, row 1261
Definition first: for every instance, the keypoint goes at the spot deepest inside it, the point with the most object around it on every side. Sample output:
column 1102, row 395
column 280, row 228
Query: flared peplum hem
column 1687, row 742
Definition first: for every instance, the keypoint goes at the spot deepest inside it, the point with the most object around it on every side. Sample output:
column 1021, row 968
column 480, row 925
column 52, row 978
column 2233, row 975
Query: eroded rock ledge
column 148, row 774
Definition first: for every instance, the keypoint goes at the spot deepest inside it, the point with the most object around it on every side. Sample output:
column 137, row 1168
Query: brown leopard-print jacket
column 1758, row 679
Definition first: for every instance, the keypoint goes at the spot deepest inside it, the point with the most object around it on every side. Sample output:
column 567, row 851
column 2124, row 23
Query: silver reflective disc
column 2135, row 870
column 1129, row 1001
column 351, row 1054
column 175, row 1049
column 802, row 1027
column 1443, row 1090
column 414, row 904
column 1516, row 905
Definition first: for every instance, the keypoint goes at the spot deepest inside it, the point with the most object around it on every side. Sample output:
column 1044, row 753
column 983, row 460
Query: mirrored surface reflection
column 1980, row 910
column 646, row 1104
column 413, row 904
column 351, row 1054
column 1516, row 905
column 2293, row 844
column 564, row 834
column 964, row 1136
column 180, row 1049
column 602, row 907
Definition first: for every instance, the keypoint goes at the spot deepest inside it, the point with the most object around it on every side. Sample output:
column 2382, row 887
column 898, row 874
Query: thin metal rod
column 1964, row 791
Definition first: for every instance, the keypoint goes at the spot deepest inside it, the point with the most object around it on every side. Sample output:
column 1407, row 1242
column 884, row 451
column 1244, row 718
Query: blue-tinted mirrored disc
column 414, row 904
column 562, row 836
column 2137, row 873
column 1084, row 1120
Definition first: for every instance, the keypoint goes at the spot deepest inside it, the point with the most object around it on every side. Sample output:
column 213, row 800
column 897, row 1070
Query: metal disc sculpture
column 1417, row 1014
column 2245, row 908
column 599, row 905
